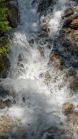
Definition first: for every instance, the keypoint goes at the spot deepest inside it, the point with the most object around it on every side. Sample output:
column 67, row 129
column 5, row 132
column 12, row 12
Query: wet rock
column 6, row 125
column 70, row 42
column 33, row 2
column 65, row 79
column 19, row 57
column 74, row 24
column 45, row 30
column 45, row 34
column 66, row 42
column 76, row 9
column 4, row 137
column 50, row 137
column 47, row 76
column 1, row 105
column 4, row 60
column 68, row 12
column 46, row 27
column 70, row 76
column 46, row 19
column 74, row 84
column 71, row 72
column 73, row 37
column 6, row 66
column 3, row 92
column 23, row 99
column 44, row 4
column 69, row 19
column 31, row 41
column 56, row 58
column 72, row 118
column 68, row 107
column 5, row 103
column 41, row 52
column 75, row 64
column 12, row 15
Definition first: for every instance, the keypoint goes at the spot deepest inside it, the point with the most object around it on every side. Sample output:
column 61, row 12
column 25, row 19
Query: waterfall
column 36, row 103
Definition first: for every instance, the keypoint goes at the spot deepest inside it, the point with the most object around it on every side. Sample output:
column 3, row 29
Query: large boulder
column 12, row 15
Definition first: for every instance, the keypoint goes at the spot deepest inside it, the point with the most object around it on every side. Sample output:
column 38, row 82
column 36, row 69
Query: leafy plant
column 3, row 23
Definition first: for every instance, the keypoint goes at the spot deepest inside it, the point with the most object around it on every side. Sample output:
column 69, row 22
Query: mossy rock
column 4, row 61
column 4, row 66
column 12, row 15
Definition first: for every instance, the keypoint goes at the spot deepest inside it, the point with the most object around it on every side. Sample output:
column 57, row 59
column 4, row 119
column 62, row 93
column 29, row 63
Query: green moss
column 3, row 23
column 4, row 44
column 4, row 27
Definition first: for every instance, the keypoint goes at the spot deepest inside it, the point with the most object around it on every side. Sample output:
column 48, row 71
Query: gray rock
column 44, row 4
column 68, row 12
column 12, row 15
column 68, row 20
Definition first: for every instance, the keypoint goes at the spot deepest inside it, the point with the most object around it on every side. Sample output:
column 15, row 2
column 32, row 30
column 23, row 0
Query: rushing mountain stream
column 41, row 103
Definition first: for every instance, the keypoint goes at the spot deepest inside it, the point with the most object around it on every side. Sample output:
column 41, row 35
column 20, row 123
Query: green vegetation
column 4, row 27
column 3, row 22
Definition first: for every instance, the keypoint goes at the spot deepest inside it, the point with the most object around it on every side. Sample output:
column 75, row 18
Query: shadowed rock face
column 12, row 15
column 69, row 19
column 68, row 12
column 73, row 36
column 5, row 68
column 45, row 4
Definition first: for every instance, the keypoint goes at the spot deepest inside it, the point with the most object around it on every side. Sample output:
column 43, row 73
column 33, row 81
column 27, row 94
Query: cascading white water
column 38, row 105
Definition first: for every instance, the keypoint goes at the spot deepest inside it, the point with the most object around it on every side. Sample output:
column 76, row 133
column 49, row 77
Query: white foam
column 37, row 103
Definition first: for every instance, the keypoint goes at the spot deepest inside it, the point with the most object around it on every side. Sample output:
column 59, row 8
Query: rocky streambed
column 56, row 62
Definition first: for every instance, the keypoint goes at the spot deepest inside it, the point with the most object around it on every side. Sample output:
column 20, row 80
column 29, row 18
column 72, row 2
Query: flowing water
column 37, row 101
